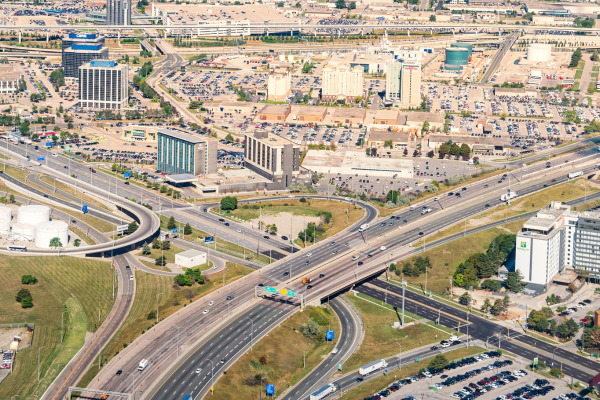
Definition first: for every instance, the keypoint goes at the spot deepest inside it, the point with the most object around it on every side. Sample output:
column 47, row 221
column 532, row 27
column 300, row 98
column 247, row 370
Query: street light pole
column 212, row 374
column 251, row 332
column 157, row 306
column 400, row 361
column 177, row 340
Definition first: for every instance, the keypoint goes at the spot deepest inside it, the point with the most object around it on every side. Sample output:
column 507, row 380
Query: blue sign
column 48, row 144
column 72, row 157
column 329, row 335
column 174, row 230
column 41, row 158
column 209, row 239
column 28, row 159
column 84, row 209
column 385, row 371
column 270, row 389
column 127, row 174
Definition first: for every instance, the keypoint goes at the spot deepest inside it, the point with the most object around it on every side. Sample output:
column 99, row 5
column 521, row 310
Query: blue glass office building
column 183, row 153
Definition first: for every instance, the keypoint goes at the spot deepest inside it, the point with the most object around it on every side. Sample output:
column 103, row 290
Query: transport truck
column 306, row 281
column 508, row 196
column 143, row 365
column 323, row 392
column 363, row 227
column 371, row 367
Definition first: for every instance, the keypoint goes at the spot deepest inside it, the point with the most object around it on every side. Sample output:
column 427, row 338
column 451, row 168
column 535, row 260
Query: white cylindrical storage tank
column 291, row 58
column 26, row 230
column 4, row 226
column 282, row 57
column 539, row 52
column 5, row 214
column 46, row 231
column 34, row 214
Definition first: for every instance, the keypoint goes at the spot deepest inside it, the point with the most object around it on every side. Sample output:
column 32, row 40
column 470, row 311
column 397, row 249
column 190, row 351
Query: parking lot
column 486, row 376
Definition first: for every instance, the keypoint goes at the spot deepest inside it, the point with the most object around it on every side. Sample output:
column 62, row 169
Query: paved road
column 350, row 336
column 499, row 56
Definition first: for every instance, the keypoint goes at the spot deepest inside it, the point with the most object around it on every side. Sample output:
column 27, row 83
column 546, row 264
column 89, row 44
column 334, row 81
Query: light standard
column 177, row 340
column 39, row 361
column 212, row 374
column 251, row 332
column 157, row 306
column 400, row 360
column 132, row 387
column 62, row 318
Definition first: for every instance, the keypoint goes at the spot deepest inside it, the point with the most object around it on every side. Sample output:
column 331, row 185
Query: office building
column 9, row 79
column 103, row 84
column 342, row 82
column 118, row 12
column 279, row 85
column 403, row 83
column 182, row 153
column 79, row 49
column 272, row 157
column 136, row 133
column 556, row 239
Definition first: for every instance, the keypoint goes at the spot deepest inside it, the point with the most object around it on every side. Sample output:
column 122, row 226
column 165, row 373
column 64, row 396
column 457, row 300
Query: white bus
column 575, row 174
column 15, row 247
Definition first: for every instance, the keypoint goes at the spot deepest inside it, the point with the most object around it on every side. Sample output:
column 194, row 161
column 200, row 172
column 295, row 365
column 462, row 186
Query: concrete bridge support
column 48, row 37
column 19, row 36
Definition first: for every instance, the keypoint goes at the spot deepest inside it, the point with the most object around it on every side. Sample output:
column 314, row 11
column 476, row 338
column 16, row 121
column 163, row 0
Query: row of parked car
column 7, row 359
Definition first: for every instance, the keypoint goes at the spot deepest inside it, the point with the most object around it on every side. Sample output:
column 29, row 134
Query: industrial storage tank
column 457, row 56
column 4, row 226
column 539, row 52
column 5, row 214
column 46, row 231
column 467, row 46
column 34, row 214
column 27, row 231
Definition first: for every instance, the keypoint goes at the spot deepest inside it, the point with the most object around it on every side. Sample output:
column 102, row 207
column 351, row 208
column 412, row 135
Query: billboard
column 127, row 175
column 122, row 228
column 84, row 209
column 83, row 35
column 209, row 239
column 41, row 158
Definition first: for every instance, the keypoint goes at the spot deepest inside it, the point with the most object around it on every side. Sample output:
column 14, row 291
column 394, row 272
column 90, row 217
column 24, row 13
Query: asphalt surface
column 499, row 56
column 349, row 336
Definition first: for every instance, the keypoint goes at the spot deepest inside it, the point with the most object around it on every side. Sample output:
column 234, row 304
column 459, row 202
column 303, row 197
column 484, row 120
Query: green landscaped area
column 578, row 73
column 279, row 356
column 343, row 215
column 220, row 244
column 374, row 385
column 564, row 192
column 148, row 286
column 381, row 340
column 68, row 189
column 78, row 286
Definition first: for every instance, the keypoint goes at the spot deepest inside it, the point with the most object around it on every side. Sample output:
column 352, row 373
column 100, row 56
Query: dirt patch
column 287, row 223
column 7, row 335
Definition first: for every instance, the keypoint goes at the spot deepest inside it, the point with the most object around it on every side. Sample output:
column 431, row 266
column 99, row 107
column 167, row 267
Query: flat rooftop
column 312, row 111
column 353, row 160
column 191, row 253
column 277, row 109
column 180, row 135
column 349, row 113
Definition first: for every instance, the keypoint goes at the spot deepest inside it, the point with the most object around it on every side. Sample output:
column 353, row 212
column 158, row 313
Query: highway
column 499, row 56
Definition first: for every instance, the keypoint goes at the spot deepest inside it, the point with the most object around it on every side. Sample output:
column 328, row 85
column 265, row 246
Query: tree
column 55, row 242
column 505, row 303
column 538, row 321
column 187, row 229
column 23, row 293
column 339, row 4
column 438, row 362
column 28, row 280
column 407, row 269
column 27, row 302
column 426, row 126
column 553, row 327
column 161, row 261
column 273, row 228
column 229, row 203
column 25, row 128
column 465, row 298
column 229, row 137
column 504, row 116
column 591, row 337
column 352, row 6
column 171, row 224
column 388, row 143
column 492, row 285
column 132, row 227
column 11, row 198
column 487, row 305
column 311, row 328
column 432, row 18
column 77, row 242
column 183, row 280
column 146, row 249
column 514, row 281
column 497, row 307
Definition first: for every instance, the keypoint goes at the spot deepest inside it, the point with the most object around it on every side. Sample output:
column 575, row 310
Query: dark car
column 221, row 220
column 360, row 263
column 286, row 273
column 230, row 296
column 266, row 236
column 434, row 347
column 321, row 275
column 226, row 223
column 119, row 372
column 284, row 238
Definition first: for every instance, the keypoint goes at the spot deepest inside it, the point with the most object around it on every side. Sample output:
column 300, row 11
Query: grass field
column 565, row 192
column 79, row 284
column 445, row 258
column 339, row 221
column 578, row 74
column 148, row 286
column 381, row 340
column 374, row 385
column 284, row 348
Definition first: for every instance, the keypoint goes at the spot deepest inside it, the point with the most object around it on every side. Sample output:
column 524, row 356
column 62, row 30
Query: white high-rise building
column 342, row 81
column 103, row 84
column 279, row 85
column 118, row 12
column 403, row 83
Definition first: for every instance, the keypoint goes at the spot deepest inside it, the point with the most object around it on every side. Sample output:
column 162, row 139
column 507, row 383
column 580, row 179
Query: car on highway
column 334, row 252
column 308, row 254
column 223, row 361
column 321, row 275
column 230, row 296
column 130, row 277
column 333, row 243
column 286, row 273
column 211, row 303
column 306, row 263
column 226, row 223
column 360, row 263
column 239, row 231
column 119, row 372
column 266, row 237
column 382, row 248
column 205, row 312
column 284, row 238
column 198, row 370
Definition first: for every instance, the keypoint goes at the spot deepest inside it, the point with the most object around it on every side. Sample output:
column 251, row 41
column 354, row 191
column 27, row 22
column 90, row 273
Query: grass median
column 77, row 286
column 279, row 357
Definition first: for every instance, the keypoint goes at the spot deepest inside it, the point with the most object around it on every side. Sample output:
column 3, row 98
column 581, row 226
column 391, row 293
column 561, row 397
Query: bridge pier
column 119, row 35
column 48, row 37
column 165, row 34
column 19, row 36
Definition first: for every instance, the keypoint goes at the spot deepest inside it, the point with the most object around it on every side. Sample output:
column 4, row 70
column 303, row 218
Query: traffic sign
column 290, row 293
column 209, row 239
column 270, row 289
column 84, row 209
column 174, row 230
column 284, row 292
column 329, row 335
column 339, row 367
column 41, row 158
column 270, row 389
column 535, row 361
column 417, row 359
column 127, row 175
column 122, row 228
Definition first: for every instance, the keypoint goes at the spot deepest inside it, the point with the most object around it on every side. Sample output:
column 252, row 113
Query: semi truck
column 143, row 365
column 575, row 174
column 323, row 392
column 306, row 281
column 371, row 367
column 508, row 196
column 363, row 227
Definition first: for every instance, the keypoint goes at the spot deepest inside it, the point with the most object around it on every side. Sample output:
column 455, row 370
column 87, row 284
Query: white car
column 205, row 312
column 308, row 254
column 239, row 231
column 580, row 305
column 211, row 303
column 485, row 356
column 130, row 277
column 455, row 395
column 382, row 248
column 198, row 370
column 427, row 374
column 445, row 344
column 439, row 386
column 54, row 155
column 334, row 351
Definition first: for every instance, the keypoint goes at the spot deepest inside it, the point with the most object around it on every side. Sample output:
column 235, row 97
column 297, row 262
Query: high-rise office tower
column 81, row 48
column 118, row 12
column 103, row 85
column 403, row 83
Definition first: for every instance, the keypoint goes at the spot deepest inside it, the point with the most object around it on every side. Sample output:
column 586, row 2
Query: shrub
column 28, row 280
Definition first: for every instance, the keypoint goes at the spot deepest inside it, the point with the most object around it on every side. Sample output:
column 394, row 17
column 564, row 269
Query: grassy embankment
column 343, row 215
column 78, row 286
column 148, row 286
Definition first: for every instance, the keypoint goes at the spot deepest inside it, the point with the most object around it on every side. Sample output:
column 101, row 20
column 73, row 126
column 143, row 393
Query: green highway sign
column 290, row 293
column 417, row 359
column 270, row 289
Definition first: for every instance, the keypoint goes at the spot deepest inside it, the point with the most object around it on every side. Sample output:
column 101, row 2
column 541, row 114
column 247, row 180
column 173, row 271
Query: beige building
column 403, row 83
column 280, row 83
column 386, row 117
column 272, row 157
column 231, row 107
column 342, row 82
column 378, row 138
column 275, row 112
column 9, row 79
column 139, row 133
column 349, row 116
column 311, row 114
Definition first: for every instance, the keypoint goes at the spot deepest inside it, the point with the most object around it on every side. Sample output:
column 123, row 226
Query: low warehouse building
column 275, row 112
column 349, row 116
column 387, row 117
column 311, row 114
column 190, row 258
column 231, row 107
